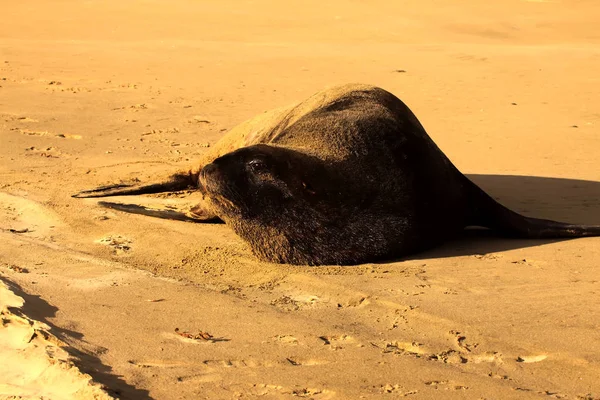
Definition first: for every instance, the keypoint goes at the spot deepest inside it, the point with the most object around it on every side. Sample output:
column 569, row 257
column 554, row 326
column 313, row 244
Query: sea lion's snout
column 211, row 177
column 249, row 181
column 208, row 171
column 218, row 181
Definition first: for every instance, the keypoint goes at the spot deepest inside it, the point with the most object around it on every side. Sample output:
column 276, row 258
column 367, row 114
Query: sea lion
column 347, row 176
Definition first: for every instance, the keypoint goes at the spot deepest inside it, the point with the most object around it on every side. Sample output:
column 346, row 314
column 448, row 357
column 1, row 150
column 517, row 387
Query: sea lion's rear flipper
column 176, row 182
column 487, row 212
column 196, row 214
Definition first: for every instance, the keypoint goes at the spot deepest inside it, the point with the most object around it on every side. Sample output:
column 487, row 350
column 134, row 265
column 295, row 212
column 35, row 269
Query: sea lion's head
column 289, row 206
column 262, row 182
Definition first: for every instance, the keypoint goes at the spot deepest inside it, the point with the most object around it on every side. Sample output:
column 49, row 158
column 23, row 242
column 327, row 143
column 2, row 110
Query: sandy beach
column 100, row 304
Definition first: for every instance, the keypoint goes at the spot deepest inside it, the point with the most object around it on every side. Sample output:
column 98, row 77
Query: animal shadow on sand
column 558, row 199
column 37, row 308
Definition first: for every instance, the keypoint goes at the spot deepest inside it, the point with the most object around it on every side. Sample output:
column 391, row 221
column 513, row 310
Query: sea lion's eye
column 306, row 186
column 257, row 165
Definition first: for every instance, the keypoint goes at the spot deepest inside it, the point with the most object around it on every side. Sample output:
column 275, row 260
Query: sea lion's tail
column 487, row 212
column 180, row 181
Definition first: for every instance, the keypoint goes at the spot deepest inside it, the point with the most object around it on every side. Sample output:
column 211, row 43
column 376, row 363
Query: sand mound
column 35, row 364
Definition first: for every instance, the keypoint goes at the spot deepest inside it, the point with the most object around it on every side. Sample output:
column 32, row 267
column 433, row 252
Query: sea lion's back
column 318, row 123
column 348, row 121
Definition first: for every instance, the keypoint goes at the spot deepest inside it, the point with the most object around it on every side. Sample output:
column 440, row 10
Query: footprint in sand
column 337, row 342
column 397, row 390
column 529, row 263
column 141, row 106
column 48, row 152
column 120, row 245
column 302, row 291
column 194, row 337
column 288, row 303
column 461, row 342
column 449, row 356
column 30, row 132
column 265, row 389
column 26, row 119
column 13, row 118
column 487, row 357
column 532, row 359
column 15, row 268
column 411, row 348
column 488, row 256
column 285, row 339
column 313, row 393
column 241, row 363
column 297, row 362
column 446, row 385
column 200, row 378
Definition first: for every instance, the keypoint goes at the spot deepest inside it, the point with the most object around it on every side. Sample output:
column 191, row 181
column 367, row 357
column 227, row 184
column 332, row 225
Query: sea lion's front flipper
column 181, row 181
column 196, row 214
column 201, row 213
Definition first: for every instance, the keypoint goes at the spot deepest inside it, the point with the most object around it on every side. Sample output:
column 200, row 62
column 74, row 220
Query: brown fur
column 347, row 176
